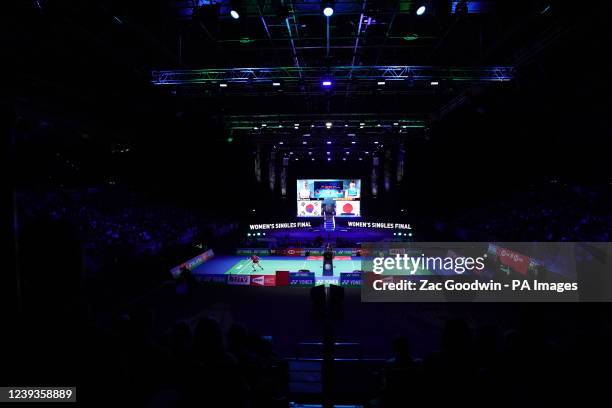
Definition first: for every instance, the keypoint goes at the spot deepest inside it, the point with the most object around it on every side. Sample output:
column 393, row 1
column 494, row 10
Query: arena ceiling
column 385, row 64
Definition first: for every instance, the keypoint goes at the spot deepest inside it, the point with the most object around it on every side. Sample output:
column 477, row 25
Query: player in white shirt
column 304, row 193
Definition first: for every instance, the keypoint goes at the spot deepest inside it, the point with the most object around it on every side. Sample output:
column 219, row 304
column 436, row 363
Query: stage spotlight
column 434, row 83
column 276, row 84
column 353, row 142
column 380, row 83
column 304, row 143
column 326, row 83
column 328, row 9
column 328, row 142
column 281, row 143
column 410, row 234
column 248, row 234
column 223, row 85
column 421, row 10
column 328, row 124
column 234, row 6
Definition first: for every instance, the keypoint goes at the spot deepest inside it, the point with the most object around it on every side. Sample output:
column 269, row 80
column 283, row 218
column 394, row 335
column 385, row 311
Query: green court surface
column 240, row 265
column 273, row 264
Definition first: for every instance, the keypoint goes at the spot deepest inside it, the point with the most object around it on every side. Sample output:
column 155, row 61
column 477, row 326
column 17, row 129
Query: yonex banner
column 350, row 278
column 326, row 280
column 302, row 279
column 212, row 278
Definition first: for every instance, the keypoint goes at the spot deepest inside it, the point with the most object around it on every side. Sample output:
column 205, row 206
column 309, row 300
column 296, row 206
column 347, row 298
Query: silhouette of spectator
column 215, row 377
column 399, row 371
column 401, row 354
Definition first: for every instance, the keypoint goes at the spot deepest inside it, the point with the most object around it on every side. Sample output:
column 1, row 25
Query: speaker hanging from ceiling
column 272, row 170
column 283, row 176
column 387, row 171
column 257, row 163
column 374, row 181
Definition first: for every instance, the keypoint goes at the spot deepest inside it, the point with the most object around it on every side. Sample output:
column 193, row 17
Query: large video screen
column 333, row 196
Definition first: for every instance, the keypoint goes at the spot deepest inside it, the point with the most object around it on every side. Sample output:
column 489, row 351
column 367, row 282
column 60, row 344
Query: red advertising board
column 282, row 278
column 516, row 261
column 295, row 252
column 263, row 280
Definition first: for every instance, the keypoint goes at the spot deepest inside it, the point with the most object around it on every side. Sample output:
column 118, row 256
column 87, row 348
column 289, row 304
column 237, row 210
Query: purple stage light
column 326, row 83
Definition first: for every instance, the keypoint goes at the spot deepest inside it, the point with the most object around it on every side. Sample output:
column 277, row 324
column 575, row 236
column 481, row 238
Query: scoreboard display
column 342, row 196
